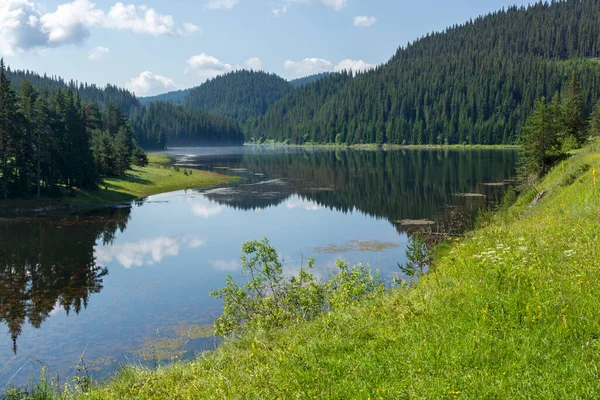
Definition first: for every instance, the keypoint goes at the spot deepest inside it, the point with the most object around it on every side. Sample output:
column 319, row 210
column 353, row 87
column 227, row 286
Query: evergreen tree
column 542, row 138
column 9, row 131
column 573, row 111
column 595, row 121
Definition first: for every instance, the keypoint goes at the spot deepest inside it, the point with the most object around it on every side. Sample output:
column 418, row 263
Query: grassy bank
column 139, row 182
column 511, row 311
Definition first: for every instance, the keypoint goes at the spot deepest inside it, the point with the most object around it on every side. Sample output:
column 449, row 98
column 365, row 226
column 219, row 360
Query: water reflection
column 396, row 185
column 166, row 254
column 145, row 251
column 49, row 265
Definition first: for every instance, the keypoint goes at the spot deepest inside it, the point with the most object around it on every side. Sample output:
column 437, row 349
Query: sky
column 152, row 46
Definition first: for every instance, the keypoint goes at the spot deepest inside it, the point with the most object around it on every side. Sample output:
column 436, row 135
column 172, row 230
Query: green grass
column 511, row 311
column 139, row 182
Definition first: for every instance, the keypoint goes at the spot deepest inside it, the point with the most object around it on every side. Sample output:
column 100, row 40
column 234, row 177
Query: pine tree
column 9, row 129
column 541, row 138
column 573, row 111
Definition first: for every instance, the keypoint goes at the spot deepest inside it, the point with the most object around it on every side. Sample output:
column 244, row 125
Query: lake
column 131, row 283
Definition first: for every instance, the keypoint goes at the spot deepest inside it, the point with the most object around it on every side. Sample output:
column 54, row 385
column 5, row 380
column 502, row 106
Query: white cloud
column 20, row 27
column 206, row 210
column 148, row 84
column 145, row 251
column 23, row 27
column 98, row 53
column 297, row 202
column 308, row 66
column 253, row 63
column 139, row 19
column 354, row 65
column 208, row 66
column 71, row 21
column 364, row 21
column 311, row 66
column 222, row 4
column 190, row 29
column 279, row 11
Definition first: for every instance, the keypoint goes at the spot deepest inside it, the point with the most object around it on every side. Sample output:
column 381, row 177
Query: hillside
column 159, row 125
column 238, row 95
column 473, row 83
column 296, row 83
column 171, row 97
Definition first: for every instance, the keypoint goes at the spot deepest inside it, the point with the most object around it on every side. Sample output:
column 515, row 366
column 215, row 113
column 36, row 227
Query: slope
column 238, row 95
column 473, row 83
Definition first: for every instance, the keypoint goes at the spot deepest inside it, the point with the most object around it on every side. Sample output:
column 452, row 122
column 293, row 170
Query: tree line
column 556, row 127
column 474, row 83
column 53, row 142
column 154, row 126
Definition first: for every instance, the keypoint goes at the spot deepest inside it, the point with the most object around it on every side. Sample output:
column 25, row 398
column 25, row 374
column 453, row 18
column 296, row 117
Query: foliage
column 161, row 124
column 238, row 94
column 154, row 125
column 542, row 138
column 269, row 300
column 472, row 83
column 418, row 254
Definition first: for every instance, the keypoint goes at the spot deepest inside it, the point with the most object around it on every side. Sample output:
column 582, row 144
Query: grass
column 139, row 182
column 511, row 311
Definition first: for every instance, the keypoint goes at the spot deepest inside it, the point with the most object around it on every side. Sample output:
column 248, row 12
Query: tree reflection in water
column 49, row 264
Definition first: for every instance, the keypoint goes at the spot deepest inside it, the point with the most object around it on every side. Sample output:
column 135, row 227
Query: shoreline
column 139, row 182
column 384, row 147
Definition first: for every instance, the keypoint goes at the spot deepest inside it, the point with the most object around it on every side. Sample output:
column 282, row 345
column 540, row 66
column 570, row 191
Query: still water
column 131, row 283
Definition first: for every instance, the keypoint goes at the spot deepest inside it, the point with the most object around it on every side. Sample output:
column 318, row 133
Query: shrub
column 269, row 300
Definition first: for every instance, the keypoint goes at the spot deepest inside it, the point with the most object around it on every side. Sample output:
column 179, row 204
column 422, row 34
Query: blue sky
column 152, row 46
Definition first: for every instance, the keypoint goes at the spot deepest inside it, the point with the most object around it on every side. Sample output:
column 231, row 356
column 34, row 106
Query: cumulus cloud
column 354, row 65
column 364, row 21
column 98, row 53
column 190, row 29
column 23, row 27
column 308, row 66
column 222, row 4
column 145, row 251
column 297, row 202
column 279, row 11
column 20, row 27
column 206, row 210
column 253, row 63
column 149, row 84
column 208, row 66
column 311, row 66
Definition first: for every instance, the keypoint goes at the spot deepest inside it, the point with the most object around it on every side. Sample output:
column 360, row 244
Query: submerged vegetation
column 508, row 311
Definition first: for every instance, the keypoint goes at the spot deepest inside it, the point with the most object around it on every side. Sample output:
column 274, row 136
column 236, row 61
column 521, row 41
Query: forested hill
column 91, row 93
column 175, row 97
column 159, row 125
column 473, row 83
column 238, row 95
column 308, row 79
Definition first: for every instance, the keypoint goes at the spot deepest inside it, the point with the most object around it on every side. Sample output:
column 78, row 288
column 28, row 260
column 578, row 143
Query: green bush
column 269, row 299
